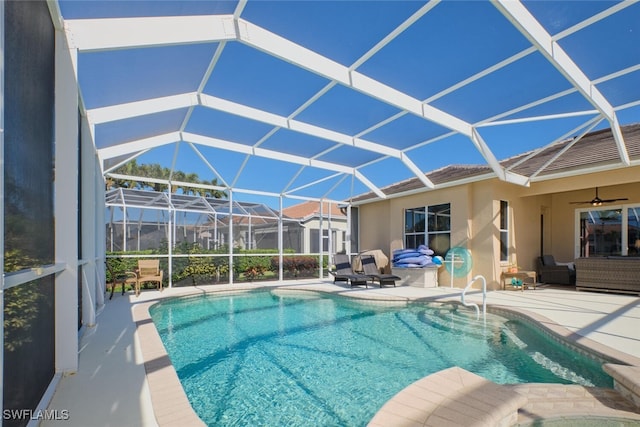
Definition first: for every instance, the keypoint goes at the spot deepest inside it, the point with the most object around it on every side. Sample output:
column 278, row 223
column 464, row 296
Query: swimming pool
column 281, row 358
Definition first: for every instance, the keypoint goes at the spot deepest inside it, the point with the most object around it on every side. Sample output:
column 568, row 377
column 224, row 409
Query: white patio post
column 99, row 226
column 92, row 294
column 348, row 236
column 230, row 236
column 321, row 238
column 170, row 240
column 66, row 204
column 280, row 242
column 124, row 228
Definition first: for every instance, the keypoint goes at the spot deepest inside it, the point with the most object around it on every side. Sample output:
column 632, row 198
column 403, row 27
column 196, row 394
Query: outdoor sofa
column 608, row 274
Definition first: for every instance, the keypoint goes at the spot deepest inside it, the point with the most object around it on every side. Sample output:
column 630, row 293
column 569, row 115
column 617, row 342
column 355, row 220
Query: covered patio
column 269, row 104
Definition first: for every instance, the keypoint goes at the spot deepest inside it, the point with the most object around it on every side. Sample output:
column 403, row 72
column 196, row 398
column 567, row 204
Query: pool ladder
column 484, row 296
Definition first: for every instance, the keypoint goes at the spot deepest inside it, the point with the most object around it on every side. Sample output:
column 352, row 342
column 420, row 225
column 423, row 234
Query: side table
column 520, row 275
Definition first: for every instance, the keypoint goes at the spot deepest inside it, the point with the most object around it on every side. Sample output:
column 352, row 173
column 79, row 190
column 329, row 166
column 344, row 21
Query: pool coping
column 172, row 407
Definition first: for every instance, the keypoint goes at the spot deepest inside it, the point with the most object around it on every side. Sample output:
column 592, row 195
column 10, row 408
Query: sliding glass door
column 609, row 231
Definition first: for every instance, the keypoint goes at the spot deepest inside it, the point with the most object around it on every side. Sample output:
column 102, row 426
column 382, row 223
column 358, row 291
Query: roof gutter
column 471, row 180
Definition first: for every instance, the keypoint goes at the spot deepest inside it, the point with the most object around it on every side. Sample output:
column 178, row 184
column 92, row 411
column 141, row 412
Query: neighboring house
column 262, row 233
column 332, row 220
column 504, row 224
column 206, row 222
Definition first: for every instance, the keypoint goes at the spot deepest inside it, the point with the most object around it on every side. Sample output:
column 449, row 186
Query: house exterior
column 503, row 224
column 330, row 219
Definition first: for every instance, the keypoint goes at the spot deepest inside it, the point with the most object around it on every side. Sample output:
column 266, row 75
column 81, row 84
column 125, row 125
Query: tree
column 155, row 170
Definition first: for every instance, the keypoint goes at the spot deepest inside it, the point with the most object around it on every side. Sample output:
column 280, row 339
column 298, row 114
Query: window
column 504, row 230
column 355, row 230
column 609, row 231
column 429, row 226
column 633, row 231
column 414, row 227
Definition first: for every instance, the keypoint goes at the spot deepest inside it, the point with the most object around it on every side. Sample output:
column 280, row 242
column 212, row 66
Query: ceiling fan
column 597, row 201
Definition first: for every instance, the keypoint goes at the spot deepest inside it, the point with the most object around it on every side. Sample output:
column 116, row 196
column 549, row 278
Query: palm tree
column 155, row 170
column 176, row 176
column 210, row 192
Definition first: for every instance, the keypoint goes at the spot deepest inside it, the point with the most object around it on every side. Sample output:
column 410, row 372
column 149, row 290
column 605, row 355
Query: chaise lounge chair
column 344, row 272
column 371, row 269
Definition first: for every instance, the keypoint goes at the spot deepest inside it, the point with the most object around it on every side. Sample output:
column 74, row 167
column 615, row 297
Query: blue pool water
column 300, row 359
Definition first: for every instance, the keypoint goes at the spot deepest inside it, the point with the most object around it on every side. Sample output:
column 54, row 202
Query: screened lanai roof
column 143, row 199
column 331, row 99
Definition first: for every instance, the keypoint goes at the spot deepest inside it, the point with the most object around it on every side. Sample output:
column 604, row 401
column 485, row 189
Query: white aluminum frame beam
column 568, row 146
column 129, row 110
column 278, row 46
column 271, row 154
column 107, row 34
column 90, row 35
column 526, row 23
column 138, row 145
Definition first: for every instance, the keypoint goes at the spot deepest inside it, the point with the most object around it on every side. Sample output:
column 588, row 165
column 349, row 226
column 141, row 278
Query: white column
column 231, row 239
column 321, row 238
column 89, row 203
column 66, row 202
column 280, row 243
column 99, row 227
column 171, row 236
column 348, row 236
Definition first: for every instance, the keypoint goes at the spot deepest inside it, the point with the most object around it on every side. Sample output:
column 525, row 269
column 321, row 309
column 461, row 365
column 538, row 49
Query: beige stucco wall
column 376, row 227
column 382, row 223
column 475, row 209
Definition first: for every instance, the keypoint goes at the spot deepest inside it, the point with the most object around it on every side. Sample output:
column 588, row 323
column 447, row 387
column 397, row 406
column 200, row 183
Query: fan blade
column 597, row 201
column 613, row 200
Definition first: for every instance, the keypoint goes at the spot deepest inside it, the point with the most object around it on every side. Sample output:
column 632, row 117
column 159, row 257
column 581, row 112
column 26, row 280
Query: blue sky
column 450, row 43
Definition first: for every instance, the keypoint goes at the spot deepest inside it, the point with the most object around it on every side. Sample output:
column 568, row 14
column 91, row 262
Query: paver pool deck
column 125, row 377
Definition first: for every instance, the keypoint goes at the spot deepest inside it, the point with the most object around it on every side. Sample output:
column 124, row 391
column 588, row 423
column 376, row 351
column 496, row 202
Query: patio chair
column 149, row 271
column 126, row 278
column 344, row 272
column 550, row 271
column 371, row 269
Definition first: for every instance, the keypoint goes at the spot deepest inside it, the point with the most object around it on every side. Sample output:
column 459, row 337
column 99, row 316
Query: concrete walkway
column 111, row 387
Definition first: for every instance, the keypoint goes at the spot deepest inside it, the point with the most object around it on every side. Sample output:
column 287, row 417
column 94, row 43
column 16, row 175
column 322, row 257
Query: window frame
column 624, row 228
column 422, row 234
column 504, row 233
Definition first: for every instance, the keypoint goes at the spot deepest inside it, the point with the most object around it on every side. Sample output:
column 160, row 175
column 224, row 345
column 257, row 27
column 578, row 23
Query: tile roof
column 596, row 149
column 306, row 209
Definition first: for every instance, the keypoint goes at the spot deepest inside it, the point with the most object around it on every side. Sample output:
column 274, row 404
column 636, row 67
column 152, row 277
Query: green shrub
column 296, row 265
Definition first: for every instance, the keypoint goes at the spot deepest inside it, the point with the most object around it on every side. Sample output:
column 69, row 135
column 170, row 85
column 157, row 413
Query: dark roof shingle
column 594, row 149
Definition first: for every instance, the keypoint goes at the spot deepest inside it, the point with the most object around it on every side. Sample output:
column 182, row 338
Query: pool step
column 569, row 402
column 452, row 397
column 456, row 397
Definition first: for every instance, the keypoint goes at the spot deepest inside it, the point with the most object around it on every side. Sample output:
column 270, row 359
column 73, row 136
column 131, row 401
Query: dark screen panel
column 29, row 346
column 29, row 321
column 29, row 135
